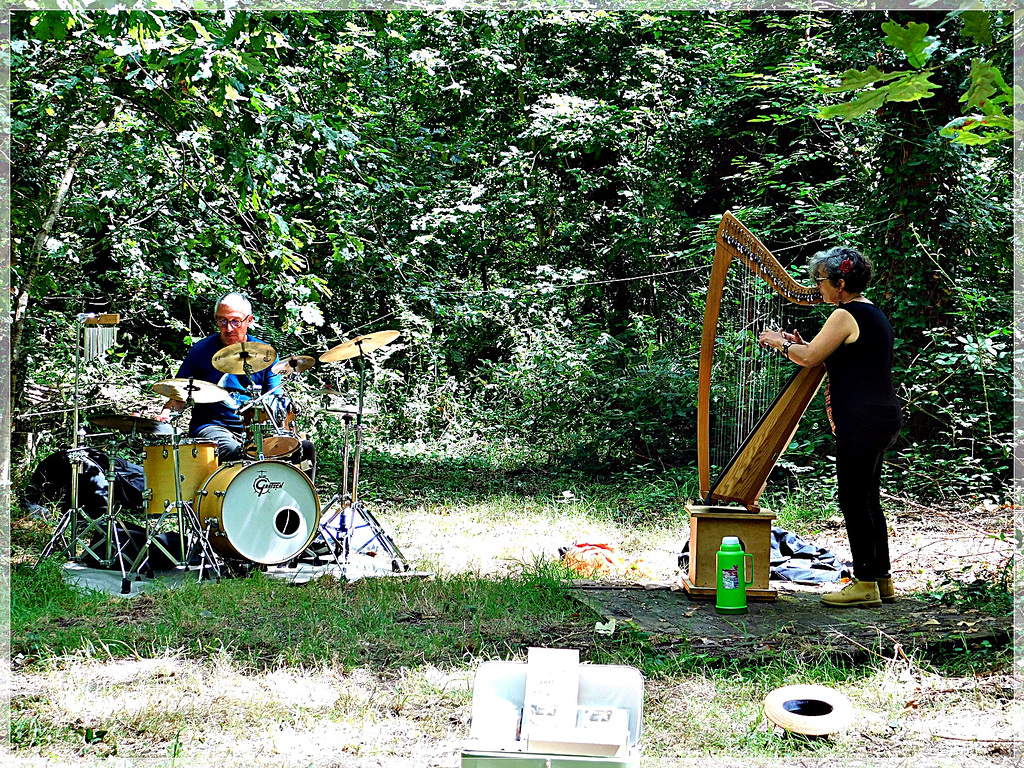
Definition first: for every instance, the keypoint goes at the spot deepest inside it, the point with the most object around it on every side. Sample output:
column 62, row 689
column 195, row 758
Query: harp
column 749, row 403
column 749, row 399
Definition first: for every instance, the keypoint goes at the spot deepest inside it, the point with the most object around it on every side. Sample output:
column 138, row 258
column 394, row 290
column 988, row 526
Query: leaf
column 912, row 40
column 963, row 130
column 282, row 225
column 977, row 26
column 983, row 83
column 854, row 80
column 51, row 25
column 867, row 102
column 912, row 88
column 201, row 30
column 231, row 94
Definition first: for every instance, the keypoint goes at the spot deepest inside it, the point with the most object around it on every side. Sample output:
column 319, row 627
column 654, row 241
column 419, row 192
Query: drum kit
column 261, row 511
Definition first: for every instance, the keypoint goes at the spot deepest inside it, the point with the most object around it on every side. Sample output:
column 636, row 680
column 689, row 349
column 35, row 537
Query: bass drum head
column 269, row 512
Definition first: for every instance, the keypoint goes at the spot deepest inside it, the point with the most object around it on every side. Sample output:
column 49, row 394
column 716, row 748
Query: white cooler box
column 609, row 695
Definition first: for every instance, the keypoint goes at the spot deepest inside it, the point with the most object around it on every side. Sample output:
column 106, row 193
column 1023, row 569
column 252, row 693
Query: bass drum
column 263, row 511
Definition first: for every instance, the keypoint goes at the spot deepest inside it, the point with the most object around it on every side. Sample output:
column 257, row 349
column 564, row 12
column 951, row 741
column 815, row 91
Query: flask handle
column 747, row 582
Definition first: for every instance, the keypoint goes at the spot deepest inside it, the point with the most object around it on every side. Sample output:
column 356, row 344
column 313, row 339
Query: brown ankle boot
column 886, row 591
column 859, row 593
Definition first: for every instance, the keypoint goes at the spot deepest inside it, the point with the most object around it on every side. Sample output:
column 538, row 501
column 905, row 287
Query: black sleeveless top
column 860, row 394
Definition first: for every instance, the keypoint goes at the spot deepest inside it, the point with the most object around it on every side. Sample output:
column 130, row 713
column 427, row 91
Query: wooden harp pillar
column 741, row 480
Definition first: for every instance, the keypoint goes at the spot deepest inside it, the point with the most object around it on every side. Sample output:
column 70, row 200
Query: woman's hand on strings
column 776, row 339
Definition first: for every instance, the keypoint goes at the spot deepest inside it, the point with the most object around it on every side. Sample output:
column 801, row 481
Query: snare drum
column 281, row 446
column 276, row 422
column 197, row 460
column 263, row 511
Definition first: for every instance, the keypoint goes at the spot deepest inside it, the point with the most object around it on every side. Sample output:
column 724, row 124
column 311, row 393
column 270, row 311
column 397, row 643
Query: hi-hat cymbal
column 233, row 358
column 293, row 364
column 200, row 391
column 359, row 345
column 129, row 424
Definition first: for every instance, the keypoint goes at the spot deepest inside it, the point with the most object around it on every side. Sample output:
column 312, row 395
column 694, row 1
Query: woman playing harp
column 856, row 346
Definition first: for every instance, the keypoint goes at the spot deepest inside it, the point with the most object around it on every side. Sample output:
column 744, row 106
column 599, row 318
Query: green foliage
column 530, row 197
column 986, row 90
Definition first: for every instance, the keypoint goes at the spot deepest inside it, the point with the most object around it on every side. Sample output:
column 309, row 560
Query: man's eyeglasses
column 233, row 323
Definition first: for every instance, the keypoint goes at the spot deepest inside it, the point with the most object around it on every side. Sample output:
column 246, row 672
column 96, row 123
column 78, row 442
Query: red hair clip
column 846, row 266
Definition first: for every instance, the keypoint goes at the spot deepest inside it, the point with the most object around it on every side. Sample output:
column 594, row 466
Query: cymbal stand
column 351, row 508
column 77, row 452
column 257, row 432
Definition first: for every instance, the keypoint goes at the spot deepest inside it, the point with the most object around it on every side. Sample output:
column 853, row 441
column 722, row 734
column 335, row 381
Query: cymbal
column 360, row 344
column 346, row 410
column 233, row 358
column 201, row 391
column 293, row 364
column 137, row 425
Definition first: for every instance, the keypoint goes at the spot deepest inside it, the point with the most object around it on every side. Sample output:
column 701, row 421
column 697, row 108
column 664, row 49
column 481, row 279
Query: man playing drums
column 221, row 422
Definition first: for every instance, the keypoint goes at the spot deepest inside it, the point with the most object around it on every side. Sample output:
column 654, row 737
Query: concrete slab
column 795, row 622
column 110, row 582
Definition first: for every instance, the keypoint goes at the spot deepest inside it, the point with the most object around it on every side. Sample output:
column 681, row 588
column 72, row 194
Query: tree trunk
column 21, row 301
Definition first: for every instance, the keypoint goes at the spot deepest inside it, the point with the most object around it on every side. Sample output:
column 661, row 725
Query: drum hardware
column 98, row 333
column 105, row 525
column 348, row 508
column 351, row 519
column 246, row 357
column 346, row 410
column 279, row 440
column 356, row 348
column 161, row 505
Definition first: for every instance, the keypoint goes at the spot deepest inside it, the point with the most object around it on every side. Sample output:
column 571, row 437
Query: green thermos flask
column 731, row 595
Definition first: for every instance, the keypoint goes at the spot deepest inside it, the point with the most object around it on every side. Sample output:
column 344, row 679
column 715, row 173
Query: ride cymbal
column 196, row 389
column 293, row 364
column 129, row 424
column 234, row 358
column 359, row 345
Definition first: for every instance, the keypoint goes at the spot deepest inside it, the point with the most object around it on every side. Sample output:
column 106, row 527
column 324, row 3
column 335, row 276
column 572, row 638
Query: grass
column 380, row 667
column 264, row 623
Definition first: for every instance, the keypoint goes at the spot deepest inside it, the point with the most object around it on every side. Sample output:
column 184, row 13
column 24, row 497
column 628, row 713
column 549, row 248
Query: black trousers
column 859, row 456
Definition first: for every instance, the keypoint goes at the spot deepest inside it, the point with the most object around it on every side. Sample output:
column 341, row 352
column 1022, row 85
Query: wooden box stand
column 708, row 526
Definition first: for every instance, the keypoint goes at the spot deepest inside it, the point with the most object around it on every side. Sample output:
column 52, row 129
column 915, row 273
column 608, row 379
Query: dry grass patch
column 174, row 707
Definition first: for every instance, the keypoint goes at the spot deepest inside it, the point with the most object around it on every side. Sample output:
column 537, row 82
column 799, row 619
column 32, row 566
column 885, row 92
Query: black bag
column 50, row 484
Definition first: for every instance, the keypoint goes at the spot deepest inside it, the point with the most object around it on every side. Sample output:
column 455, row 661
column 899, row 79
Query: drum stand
column 96, row 338
column 348, row 508
column 105, row 524
column 189, row 525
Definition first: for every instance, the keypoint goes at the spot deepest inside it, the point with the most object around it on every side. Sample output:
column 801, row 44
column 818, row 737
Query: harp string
column 746, row 378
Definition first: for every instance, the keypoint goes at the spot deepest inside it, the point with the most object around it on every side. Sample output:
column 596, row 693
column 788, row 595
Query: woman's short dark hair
column 842, row 263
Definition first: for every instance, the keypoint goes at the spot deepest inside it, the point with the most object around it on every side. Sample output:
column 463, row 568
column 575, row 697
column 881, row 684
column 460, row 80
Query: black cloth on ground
column 793, row 559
